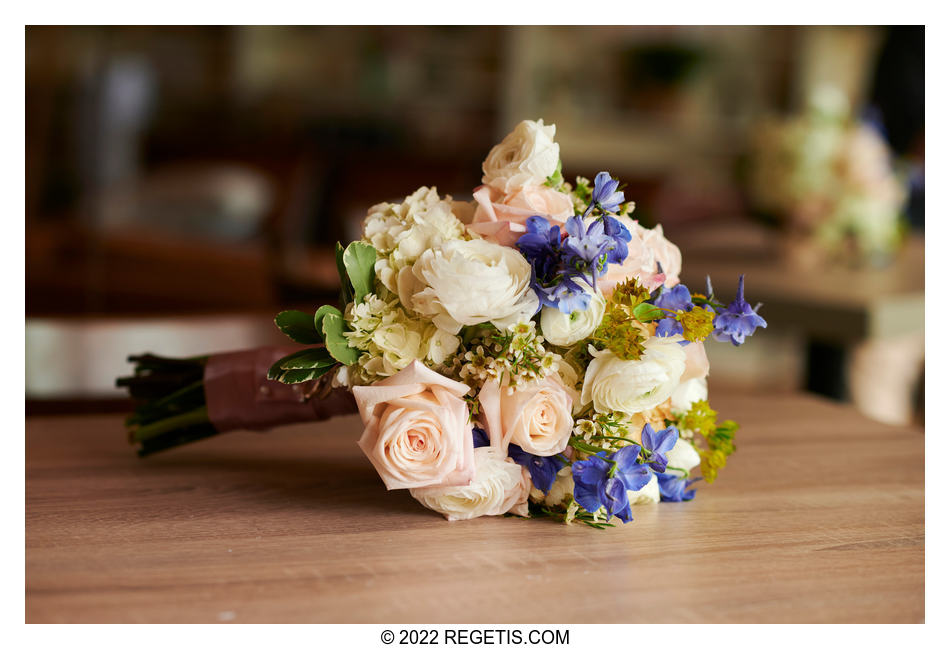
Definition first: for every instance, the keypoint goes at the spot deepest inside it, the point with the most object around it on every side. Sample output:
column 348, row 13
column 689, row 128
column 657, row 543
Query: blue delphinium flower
column 602, row 481
column 737, row 320
column 605, row 196
column 543, row 470
column 567, row 295
column 677, row 298
column 658, row 444
column 479, row 437
column 589, row 250
column 673, row 487
column 541, row 246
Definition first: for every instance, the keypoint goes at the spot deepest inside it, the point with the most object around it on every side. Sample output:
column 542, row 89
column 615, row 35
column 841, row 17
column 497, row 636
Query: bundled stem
column 173, row 409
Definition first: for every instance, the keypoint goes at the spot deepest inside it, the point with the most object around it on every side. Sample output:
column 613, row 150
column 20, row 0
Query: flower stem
column 190, row 418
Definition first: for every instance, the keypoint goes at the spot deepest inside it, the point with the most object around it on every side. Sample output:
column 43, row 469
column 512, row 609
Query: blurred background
column 185, row 183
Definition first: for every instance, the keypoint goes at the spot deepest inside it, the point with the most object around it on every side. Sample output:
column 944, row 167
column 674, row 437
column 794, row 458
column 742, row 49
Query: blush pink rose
column 537, row 417
column 417, row 431
column 501, row 217
column 646, row 248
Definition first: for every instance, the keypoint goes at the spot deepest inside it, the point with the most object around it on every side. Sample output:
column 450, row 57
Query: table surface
column 819, row 517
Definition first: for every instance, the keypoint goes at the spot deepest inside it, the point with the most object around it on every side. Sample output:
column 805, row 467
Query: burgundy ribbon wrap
column 239, row 395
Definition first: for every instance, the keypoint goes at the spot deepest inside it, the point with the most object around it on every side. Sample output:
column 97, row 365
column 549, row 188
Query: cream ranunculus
column 687, row 393
column 682, row 456
column 527, row 156
column 646, row 495
column 562, row 488
column 618, row 385
column 500, row 486
column 536, row 417
column 417, row 431
column 567, row 328
column 470, row 282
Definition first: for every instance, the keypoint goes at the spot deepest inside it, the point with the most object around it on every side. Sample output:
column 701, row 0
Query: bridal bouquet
column 531, row 352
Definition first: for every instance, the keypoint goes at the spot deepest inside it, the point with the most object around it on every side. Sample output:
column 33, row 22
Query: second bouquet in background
column 530, row 352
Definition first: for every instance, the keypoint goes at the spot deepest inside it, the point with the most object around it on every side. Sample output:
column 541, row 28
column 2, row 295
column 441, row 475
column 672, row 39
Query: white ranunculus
column 682, row 456
column 648, row 495
column 527, row 156
column 562, row 488
column 567, row 328
column 687, row 393
column 614, row 384
column 470, row 282
column 499, row 486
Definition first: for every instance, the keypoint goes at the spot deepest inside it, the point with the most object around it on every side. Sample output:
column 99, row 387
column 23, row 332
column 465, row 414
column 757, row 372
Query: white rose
column 567, row 328
column 470, row 282
column 647, row 495
column 499, row 486
column 682, row 456
column 527, row 156
column 614, row 384
column 687, row 393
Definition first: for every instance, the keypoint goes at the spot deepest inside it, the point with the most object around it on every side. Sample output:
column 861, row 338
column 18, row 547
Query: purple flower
column 737, row 320
column 543, row 470
column 677, row 298
column 479, row 437
column 541, row 246
column 605, row 195
column 566, row 295
column 658, row 444
column 602, row 481
column 673, row 487
column 589, row 250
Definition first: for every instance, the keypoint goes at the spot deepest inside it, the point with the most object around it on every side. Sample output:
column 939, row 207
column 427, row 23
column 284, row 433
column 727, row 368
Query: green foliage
column 719, row 437
column 359, row 260
column 647, row 312
column 555, row 180
column 346, row 290
column 299, row 327
column 583, row 191
column 305, row 365
column 333, row 325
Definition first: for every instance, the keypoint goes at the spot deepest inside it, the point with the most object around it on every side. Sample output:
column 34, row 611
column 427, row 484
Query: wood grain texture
column 819, row 517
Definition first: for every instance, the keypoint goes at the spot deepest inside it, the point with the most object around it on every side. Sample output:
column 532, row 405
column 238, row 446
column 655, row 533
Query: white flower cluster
column 513, row 359
column 392, row 339
column 401, row 232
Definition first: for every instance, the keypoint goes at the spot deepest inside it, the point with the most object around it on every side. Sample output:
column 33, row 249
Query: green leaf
column 299, row 376
column 646, row 312
column 321, row 313
column 333, row 325
column 359, row 260
column 346, row 290
column 299, row 327
column 556, row 179
column 307, row 359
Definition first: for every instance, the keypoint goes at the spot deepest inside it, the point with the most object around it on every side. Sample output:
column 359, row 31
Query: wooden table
column 819, row 517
